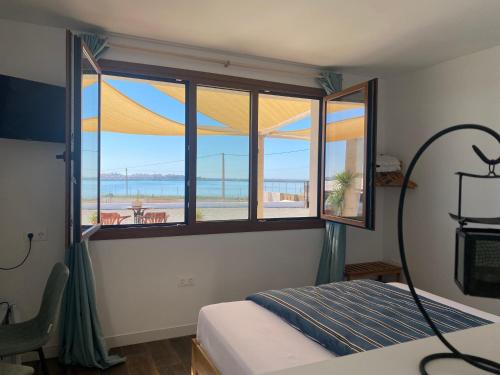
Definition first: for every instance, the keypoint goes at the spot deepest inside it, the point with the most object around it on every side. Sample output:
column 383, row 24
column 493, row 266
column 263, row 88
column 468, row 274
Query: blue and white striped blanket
column 355, row 316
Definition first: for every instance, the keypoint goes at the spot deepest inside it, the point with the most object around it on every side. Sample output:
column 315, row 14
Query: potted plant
column 199, row 215
column 336, row 199
column 93, row 218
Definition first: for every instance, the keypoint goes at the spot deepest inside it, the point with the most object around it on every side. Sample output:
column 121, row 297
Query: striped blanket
column 355, row 316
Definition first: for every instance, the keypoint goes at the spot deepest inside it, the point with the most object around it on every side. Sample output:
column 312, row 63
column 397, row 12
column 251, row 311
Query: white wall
column 137, row 279
column 464, row 90
column 33, row 52
column 31, row 179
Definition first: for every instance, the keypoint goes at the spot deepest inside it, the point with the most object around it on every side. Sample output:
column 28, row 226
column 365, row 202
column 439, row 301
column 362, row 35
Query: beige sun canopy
column 121, row 114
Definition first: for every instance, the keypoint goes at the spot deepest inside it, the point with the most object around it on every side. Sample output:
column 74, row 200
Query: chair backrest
column 51, row 300
column 110, row 218
column 155, row 217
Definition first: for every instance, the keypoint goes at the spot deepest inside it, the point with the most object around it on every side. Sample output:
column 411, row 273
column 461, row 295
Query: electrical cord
column 481, row 363
column 30, row 238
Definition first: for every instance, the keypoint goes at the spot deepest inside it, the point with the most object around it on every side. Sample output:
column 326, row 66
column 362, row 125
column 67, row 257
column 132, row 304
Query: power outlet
column 185, row 281
column 38, row 235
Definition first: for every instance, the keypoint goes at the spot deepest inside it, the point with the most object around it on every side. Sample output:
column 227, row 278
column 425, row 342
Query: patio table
column 138, row 213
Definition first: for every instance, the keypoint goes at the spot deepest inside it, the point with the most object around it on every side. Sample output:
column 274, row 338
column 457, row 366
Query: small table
column 371, row 269
column 138, row 213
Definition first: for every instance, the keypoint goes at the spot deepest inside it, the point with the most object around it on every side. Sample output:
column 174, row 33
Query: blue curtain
column 81, row 340
column 332, row 261
column 330, row 81
column 97, row 44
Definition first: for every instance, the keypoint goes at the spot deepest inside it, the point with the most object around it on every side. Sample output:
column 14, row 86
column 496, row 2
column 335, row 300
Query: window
column 89, row 145
column 143, row 145
column 348, row 187
column 288, row 157
column 165, row 151
column 222, row 162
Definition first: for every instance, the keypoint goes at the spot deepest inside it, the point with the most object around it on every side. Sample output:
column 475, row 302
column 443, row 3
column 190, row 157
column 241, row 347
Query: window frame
column 250, row 150
column 193, row 79
column 370, row 144
column 319, row 145
column 76, row 49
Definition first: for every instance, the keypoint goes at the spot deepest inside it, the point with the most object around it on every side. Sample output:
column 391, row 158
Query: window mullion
column 99, row 149
column 321, row 154
column 254, row 153
column 191, row 153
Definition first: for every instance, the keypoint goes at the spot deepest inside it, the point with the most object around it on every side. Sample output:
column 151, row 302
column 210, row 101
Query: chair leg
column 43, row 362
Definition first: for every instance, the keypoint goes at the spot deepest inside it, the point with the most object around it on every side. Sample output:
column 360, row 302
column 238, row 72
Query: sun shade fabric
column 121, row 114
column 337, row 131
column 88, row 80
column 231, row 108
column 81, row 339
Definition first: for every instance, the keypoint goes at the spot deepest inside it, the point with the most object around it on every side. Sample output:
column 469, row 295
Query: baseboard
column 153, row 335
column 126, row 339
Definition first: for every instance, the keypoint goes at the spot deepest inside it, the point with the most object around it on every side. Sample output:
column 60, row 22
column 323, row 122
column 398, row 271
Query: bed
column 244, row 338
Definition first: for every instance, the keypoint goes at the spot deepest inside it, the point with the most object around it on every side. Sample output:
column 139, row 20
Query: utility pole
column 126, row 182
column 223, row 178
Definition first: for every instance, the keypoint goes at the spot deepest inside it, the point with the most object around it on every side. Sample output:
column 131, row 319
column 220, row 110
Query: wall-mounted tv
column 31, row 110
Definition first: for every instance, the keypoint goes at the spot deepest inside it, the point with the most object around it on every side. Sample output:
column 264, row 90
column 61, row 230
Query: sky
column 284, row 158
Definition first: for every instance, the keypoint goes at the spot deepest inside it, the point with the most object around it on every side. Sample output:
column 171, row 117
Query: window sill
column 125, row 232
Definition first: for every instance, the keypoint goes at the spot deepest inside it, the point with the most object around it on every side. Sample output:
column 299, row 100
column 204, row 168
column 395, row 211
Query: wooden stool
column 371, row 269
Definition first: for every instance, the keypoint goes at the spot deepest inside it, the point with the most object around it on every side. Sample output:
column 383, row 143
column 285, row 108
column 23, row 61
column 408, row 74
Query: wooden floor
column 165, row 357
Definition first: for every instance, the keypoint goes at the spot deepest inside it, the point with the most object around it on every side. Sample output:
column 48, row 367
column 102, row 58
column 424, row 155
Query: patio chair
column 155, row 217
column 121, row 218
column 112, row 218
column 109, row 218
column 33, row 334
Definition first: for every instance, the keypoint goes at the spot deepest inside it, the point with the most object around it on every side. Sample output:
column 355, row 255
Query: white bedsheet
column 244, row 338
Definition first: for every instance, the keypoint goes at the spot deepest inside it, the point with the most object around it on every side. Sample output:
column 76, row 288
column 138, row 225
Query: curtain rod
column 225, row 63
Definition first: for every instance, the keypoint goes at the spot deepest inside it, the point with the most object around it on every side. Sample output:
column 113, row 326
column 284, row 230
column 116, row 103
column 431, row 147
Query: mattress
column 244, row 338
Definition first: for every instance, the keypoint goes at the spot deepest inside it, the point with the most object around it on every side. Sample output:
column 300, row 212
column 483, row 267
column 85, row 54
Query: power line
column 286, row 152
column 273, row 153
column 202, row 157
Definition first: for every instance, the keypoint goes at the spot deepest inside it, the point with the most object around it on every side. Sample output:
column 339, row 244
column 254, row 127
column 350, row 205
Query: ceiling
column 357, row 35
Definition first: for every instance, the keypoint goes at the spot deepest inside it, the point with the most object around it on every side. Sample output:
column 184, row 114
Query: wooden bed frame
column 200, row 361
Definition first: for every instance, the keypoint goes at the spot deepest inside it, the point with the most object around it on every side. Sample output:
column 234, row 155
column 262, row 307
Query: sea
column 234, row 189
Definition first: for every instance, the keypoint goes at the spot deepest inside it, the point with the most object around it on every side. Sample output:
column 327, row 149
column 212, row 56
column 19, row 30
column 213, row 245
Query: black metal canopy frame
column 481, row 363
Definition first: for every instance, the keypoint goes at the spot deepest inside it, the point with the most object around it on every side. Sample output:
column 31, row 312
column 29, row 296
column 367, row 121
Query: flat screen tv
column 31, row 110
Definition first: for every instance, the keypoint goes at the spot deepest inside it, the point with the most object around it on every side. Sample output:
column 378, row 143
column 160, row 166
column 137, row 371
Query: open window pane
column 349, row 154
column 288, row 157
column 345, row 159
column 89, row 145
column 142, row 151
column 223, row 123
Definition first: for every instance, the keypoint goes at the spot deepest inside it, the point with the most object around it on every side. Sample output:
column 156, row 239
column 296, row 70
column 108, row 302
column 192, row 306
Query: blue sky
column 285, row 159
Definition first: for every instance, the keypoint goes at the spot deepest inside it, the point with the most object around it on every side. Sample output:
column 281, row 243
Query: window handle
column 61, row 156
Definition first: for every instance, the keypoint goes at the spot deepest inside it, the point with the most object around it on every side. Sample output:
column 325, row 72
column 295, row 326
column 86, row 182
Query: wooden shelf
column 371, row 269
column 392, row 179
